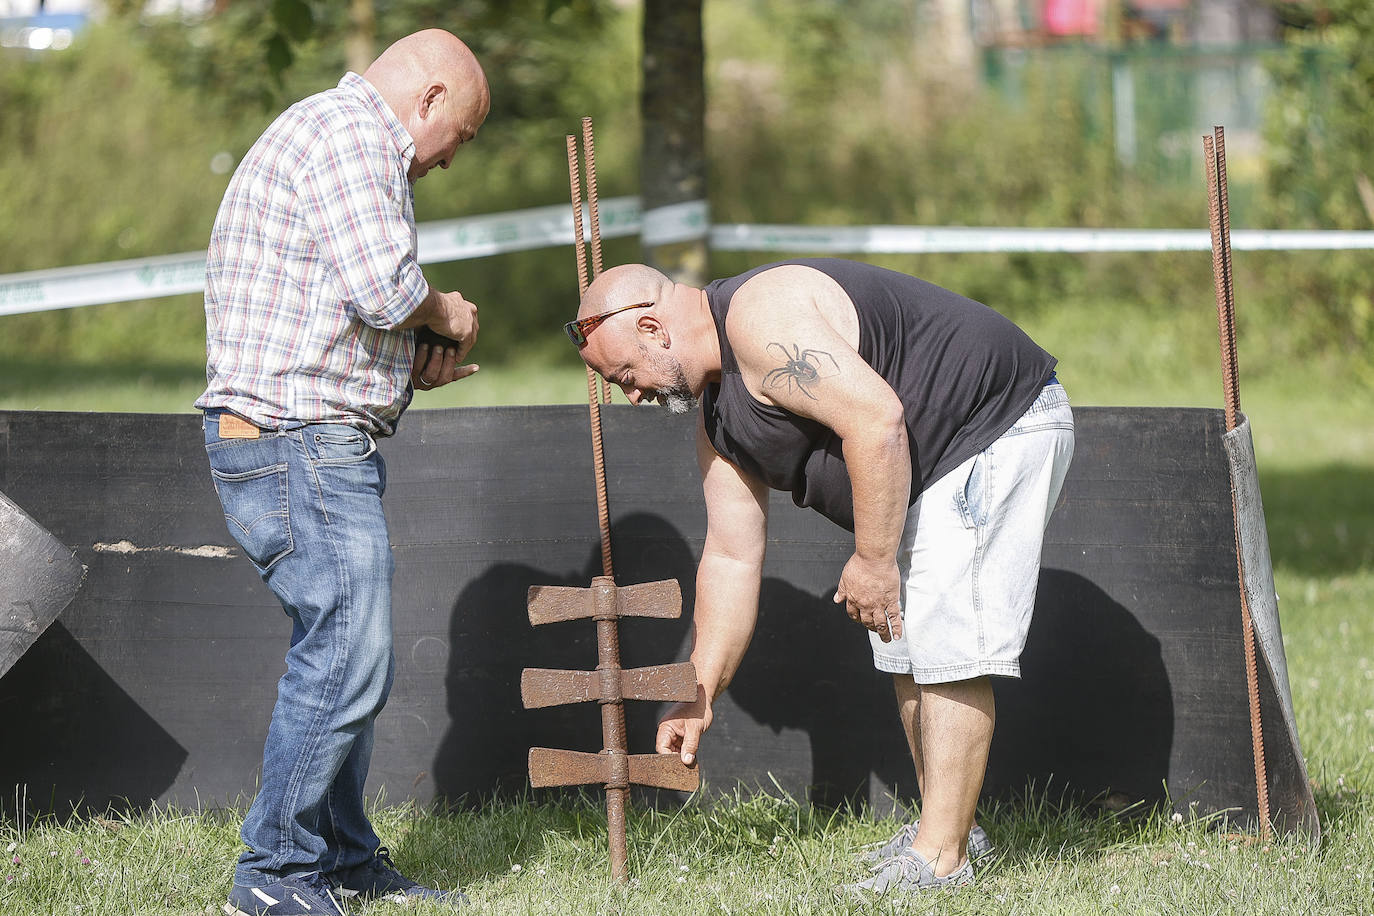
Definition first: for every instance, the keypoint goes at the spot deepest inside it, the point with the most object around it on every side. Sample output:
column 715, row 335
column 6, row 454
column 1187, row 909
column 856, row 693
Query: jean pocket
column 256, row 511
column 341, row 445
column 972, row 500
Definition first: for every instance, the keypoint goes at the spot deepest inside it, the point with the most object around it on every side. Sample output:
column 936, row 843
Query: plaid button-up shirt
column 312, row 265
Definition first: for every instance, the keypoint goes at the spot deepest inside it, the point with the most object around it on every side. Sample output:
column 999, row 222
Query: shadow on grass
column 1341, row 805
column 1320, row 520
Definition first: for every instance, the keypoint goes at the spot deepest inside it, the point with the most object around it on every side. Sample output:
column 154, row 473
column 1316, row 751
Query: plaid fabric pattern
column 311, row 266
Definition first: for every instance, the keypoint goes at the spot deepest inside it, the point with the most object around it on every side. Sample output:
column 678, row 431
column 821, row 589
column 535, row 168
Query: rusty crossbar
column 609, row 685
column 1214, row 158
column 605, row 603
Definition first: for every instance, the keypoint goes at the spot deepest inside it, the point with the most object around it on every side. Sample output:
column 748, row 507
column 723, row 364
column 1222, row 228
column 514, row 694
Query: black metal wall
column 156, row 683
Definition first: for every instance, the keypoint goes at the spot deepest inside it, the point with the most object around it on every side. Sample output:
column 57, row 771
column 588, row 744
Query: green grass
column 760, row 853
column 766, row 853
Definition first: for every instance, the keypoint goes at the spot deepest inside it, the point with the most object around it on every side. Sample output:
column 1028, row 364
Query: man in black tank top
column 926, row 423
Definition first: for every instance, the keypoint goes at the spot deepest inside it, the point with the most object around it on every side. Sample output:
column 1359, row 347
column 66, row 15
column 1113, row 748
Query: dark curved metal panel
column 38, row 578
column 1133, row 676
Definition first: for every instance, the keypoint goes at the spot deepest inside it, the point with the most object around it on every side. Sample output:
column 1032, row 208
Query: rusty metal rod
column 593, row 402
column 593, row 214
column 579, row 243
column 575, row 185
column 1214, row 153
column 1219, row 273
column 607, row 628
column 612, row 728
column 593, row 219
column 1232, row 370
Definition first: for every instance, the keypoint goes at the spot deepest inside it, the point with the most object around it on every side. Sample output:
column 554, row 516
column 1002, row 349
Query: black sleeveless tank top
column 964, row 373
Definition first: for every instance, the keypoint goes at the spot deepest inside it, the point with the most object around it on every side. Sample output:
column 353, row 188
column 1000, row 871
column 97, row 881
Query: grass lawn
column 766, row 853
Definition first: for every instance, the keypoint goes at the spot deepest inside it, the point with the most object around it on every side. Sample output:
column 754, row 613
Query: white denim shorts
column 970, row 553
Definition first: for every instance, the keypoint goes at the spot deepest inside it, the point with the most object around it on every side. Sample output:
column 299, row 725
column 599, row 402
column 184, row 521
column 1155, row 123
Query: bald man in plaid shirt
column 313, row 301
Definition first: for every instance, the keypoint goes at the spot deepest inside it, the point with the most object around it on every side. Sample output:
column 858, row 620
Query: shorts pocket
column 256, row 511
column 973, row 499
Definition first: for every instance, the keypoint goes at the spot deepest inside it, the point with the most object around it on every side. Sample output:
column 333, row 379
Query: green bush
column 1320, row 133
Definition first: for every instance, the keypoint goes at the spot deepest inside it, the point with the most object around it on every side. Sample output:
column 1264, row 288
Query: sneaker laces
column 910, row 867
column 903, row 838
column 382, row 862
column 878, row 852
column 321, row 886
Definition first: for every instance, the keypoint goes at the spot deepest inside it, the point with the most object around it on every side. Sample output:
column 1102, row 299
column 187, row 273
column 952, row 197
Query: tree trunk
column 362, row 35
column 672, row 172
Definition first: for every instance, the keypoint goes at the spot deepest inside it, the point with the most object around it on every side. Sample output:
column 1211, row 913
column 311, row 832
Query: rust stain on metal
column 550, row 603
column 541, row 687
column 555, row 767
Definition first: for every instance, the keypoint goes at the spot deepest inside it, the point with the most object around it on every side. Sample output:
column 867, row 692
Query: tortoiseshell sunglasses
column 579, row 328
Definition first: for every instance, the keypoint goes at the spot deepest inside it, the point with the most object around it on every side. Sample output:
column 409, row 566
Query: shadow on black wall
column 484, row 751
column 74, row 740
column 810, row 668
column 1093, row 708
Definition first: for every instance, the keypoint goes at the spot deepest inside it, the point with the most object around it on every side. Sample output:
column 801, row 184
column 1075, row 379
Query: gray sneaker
column 978, row 844
column 908, row 873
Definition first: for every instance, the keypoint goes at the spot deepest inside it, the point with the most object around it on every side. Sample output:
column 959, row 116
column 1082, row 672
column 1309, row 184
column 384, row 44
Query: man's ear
column 431, row 97
column 650, row 326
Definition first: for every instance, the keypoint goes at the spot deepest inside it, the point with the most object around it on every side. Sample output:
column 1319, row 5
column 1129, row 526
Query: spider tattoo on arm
column 800, row 368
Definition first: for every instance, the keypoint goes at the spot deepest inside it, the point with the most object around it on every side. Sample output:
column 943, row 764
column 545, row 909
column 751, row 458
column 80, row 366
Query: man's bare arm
column 727, row 593
column 795, row 336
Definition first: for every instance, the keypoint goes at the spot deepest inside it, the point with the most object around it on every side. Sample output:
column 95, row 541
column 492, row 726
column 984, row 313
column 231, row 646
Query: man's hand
column 448, row 315
column 680, row 730
column 454, row 317
column 435, row 364
column 871, row 594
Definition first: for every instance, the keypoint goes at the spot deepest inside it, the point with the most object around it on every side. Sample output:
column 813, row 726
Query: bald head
column 438, row 91
column 624, row 285
column 658, row 342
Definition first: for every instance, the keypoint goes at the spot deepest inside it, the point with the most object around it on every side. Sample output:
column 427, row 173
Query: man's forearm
column 727, row 607
column 879, row 463
column 424, row 312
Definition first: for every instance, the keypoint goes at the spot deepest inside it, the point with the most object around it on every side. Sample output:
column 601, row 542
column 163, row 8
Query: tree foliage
column 816, row 113
column 1320, row 143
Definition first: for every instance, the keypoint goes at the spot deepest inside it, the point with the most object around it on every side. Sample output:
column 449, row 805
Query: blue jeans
column 305, row 505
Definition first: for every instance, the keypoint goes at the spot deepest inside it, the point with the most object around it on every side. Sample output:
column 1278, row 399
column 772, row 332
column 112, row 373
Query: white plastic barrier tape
column 541, row 227
column 944, row 240
column 520, row 230
column 676, row 223
column 173, row 274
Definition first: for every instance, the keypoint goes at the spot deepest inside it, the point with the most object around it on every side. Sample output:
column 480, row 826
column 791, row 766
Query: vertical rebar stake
column 1231, row 369
column 593, row 219
column 1214, row 154
column 613, row 730
column 575, row 185
column 607, row 626
column 593, row 402
column 605, row 603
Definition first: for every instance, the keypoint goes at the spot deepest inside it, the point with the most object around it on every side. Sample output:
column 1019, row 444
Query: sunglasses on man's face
column 578, row 329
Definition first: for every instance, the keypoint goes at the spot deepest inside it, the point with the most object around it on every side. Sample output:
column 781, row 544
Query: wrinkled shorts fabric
column 970, row 553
